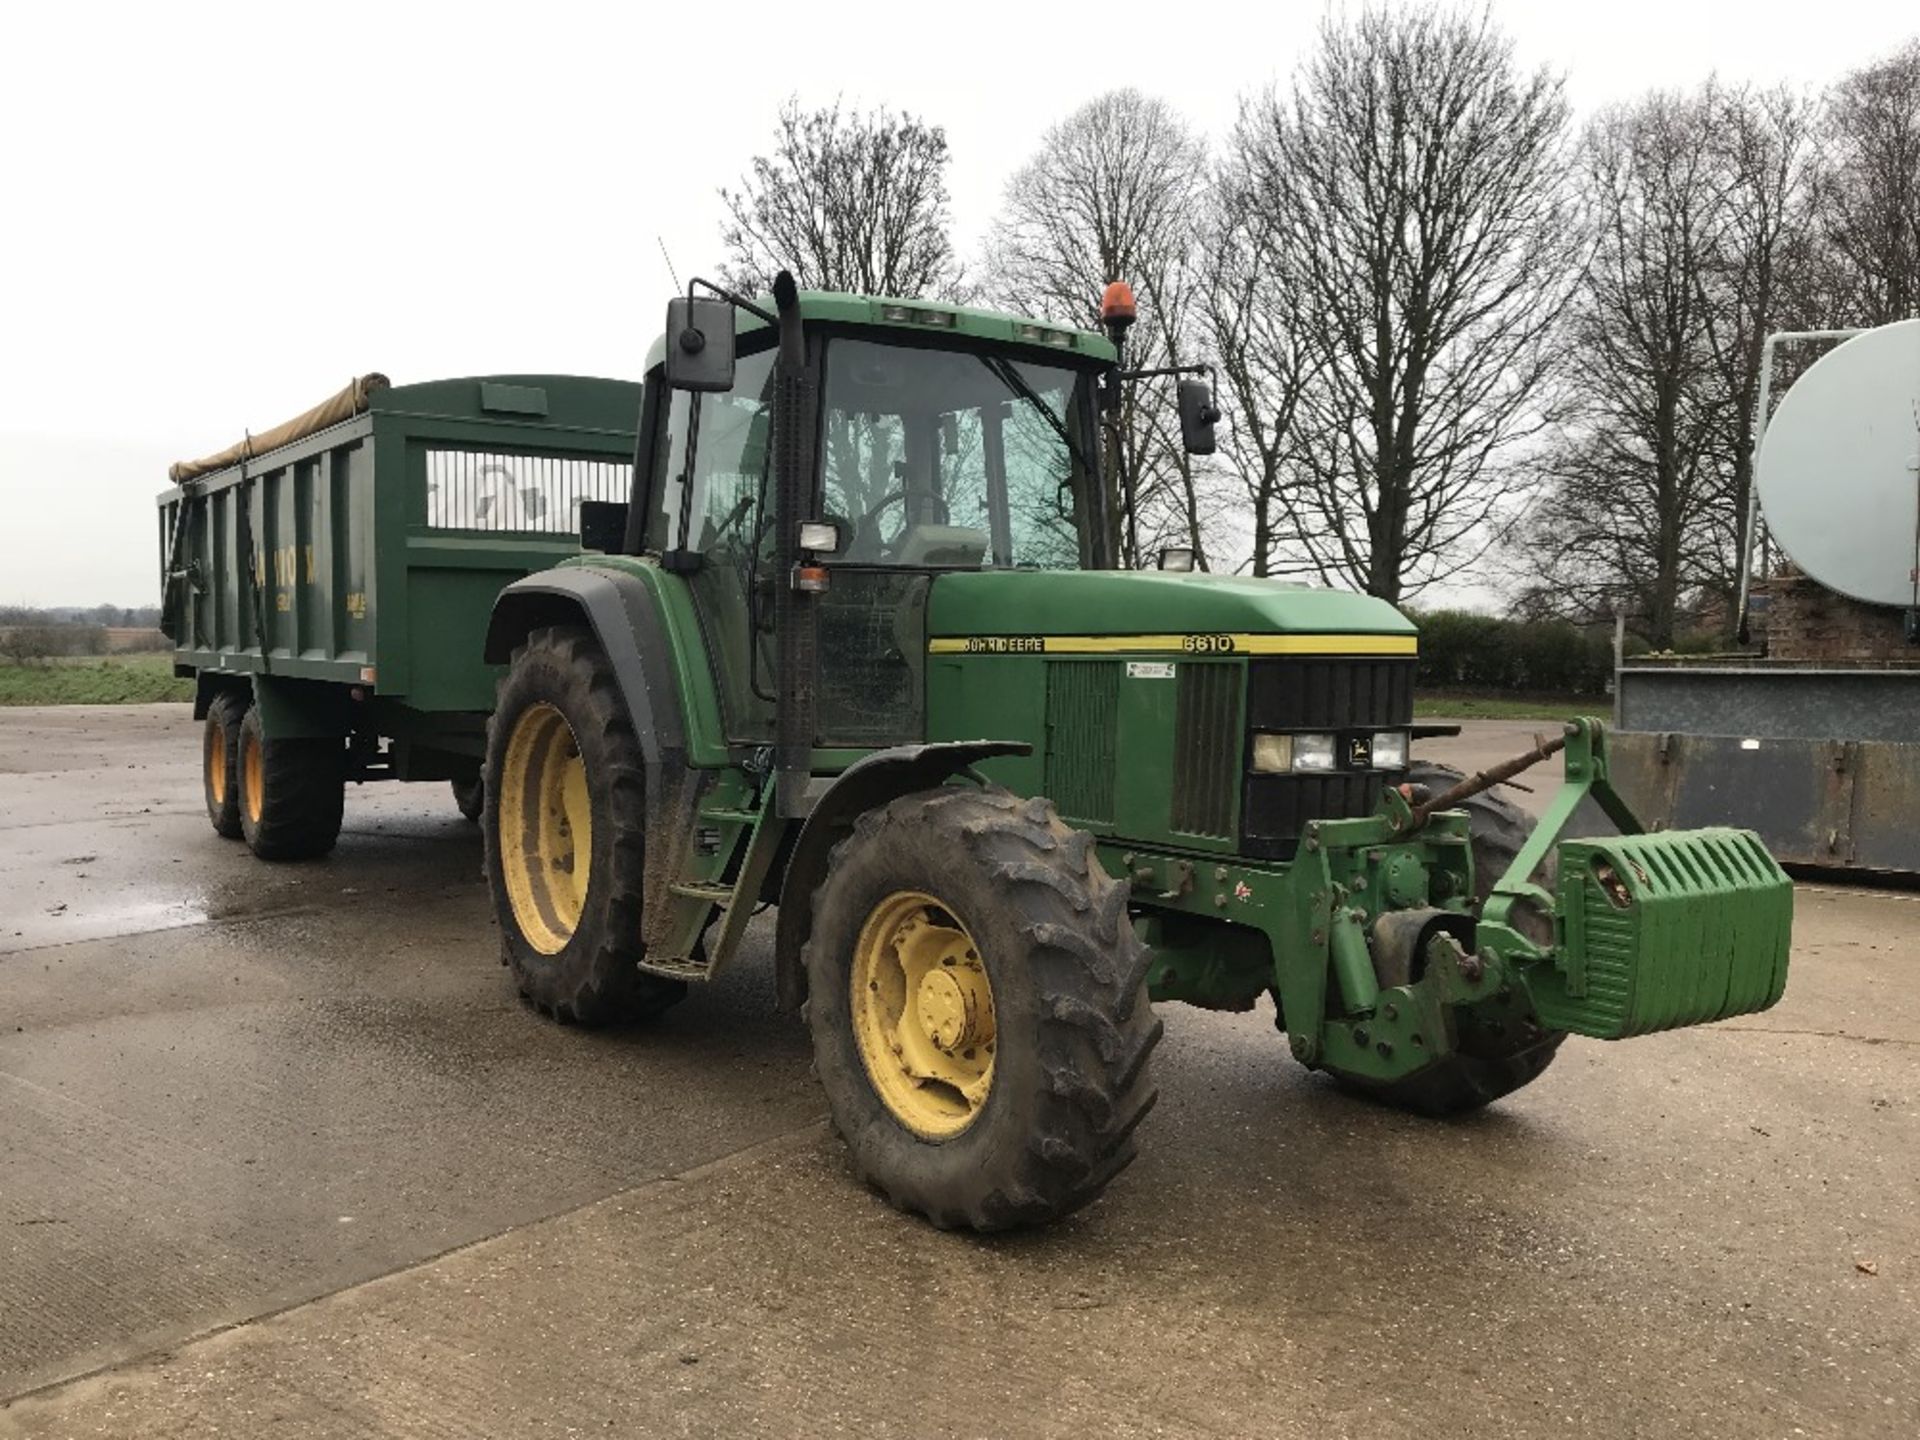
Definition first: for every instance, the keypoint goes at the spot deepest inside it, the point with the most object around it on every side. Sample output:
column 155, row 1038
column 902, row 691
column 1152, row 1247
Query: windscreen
column 956, row 459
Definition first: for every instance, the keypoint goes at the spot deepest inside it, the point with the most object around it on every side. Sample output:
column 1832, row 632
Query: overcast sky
column 216, row 214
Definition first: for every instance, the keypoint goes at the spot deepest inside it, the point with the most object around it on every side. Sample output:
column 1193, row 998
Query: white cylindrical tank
column 1839, row 468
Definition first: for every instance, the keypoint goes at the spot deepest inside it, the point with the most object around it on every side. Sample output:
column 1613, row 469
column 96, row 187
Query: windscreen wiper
column 1016, row 382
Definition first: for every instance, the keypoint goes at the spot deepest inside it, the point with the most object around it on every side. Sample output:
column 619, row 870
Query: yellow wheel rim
column 545, row 828
column 923, row 1014
column 217, row 763
column 253, row 778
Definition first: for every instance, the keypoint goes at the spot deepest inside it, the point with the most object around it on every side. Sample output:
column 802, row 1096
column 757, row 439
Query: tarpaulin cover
column 331, row 411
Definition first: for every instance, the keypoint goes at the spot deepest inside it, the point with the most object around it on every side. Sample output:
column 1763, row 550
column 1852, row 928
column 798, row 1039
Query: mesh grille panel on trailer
column 485, row 490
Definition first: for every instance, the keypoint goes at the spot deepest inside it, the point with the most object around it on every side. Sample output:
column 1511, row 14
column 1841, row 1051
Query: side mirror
column 1198, row 415
column 699, row 344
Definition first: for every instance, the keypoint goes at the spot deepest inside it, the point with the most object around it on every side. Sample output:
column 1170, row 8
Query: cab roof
column 1044, row 337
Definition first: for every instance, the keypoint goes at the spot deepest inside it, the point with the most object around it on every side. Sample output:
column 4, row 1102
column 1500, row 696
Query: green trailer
column 856, row 644
column 334, row 577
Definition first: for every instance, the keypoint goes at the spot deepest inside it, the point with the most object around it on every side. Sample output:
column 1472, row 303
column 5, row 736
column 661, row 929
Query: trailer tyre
column 1490, row 1062
column 565, row 827
column 220, row 763
column 978, row 1005
column 470, row 795
column 291, row 791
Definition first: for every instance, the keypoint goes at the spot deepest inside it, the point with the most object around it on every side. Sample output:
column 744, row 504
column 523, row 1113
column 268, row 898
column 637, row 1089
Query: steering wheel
column 868, row 525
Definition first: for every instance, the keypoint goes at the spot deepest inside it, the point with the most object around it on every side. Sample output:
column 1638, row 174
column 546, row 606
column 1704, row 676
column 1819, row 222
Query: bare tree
column 1256, row 329
column 1115, row 192
column 1413, row 181
column 1626, row 519
column 1870, row 190
column 846, row 201
column 1758, row 277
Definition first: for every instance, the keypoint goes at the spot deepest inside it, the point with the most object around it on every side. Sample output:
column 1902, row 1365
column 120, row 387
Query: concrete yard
column 281, row 1153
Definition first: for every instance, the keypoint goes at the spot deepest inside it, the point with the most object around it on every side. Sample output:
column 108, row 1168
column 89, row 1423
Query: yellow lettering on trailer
column 309, row 564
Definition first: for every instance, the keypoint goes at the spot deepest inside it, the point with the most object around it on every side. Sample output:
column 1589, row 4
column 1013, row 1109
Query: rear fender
column 870, row 782
column 624, row 617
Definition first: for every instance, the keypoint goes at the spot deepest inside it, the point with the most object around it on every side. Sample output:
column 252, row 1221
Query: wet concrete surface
column 281, row 1153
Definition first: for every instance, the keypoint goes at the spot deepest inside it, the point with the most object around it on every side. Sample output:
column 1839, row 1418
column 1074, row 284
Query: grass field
column 93, row 680
column 1510, row 707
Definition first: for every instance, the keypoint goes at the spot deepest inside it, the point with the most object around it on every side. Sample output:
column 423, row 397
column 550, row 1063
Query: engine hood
column 1153, row 610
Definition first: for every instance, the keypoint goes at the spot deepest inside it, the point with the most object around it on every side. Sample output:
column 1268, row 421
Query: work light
column 1313, row 752
column 1272, row 754
column 1389, row 749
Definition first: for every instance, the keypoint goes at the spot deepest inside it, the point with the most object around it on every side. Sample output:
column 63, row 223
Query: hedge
column 1461, row 650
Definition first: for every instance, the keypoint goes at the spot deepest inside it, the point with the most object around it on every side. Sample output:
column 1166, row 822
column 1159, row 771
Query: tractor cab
column 927, row 440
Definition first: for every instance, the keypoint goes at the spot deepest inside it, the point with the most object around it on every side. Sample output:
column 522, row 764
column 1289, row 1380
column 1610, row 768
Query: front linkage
column 1394, row 971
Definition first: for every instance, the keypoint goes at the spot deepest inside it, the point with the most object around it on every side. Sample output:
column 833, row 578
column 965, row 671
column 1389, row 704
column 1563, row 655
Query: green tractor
column 864, row 654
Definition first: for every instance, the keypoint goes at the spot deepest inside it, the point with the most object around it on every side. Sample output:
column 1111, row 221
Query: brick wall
column 1806, row 621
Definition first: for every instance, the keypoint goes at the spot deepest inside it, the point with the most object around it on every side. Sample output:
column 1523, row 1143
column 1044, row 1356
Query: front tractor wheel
column 1497, row 1056
column 978, row 1005
column 565, row 834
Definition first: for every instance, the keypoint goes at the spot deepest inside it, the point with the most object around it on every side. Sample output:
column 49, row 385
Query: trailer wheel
column 470, row 795
column 565, row 826
column 977, row 999
column 291, row 792
column 220, row 763
column 1490, row 1062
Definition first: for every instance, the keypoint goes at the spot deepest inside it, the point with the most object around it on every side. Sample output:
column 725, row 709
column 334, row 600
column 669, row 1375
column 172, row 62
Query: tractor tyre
column 565, row 827
column 470, row 794
column 292, row 791
column 978, row 1004
column 1488, row 1064
column 220, row 762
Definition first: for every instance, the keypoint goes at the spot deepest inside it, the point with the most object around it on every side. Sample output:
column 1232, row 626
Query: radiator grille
column 1335, row 695
column 1082, row 698
column 541, row 494
column 1208, row 749
column 1328, row 694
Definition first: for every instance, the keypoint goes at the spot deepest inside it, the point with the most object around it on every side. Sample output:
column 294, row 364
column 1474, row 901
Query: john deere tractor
column 862, row 651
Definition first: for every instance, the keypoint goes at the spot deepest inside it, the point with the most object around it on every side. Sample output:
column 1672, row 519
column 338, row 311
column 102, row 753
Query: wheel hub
column 545, row 828
column 922, row 1011
column 954, row 1008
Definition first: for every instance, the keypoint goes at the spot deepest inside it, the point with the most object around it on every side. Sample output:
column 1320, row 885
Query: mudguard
column 871, row 781
column 625, row 619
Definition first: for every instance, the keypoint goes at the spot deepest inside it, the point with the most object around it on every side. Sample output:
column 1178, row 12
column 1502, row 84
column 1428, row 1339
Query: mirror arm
column 739, row 301
column 1206, row 370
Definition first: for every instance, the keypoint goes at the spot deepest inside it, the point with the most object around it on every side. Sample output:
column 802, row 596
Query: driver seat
column 951, row 546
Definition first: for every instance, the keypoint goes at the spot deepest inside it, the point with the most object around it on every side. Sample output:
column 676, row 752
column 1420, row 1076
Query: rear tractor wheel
column 1496, row 1057
column 566, row 834
column 292, row 791
column 977, row 1000
column 220, row 763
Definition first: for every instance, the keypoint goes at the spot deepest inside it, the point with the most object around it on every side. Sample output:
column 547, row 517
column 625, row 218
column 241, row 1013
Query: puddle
column 64, row 924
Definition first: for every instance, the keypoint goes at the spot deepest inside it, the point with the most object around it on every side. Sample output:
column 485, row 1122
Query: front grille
column 1329, row 694
column 1082, row 700
column 1208, row 748
column 1346, row 697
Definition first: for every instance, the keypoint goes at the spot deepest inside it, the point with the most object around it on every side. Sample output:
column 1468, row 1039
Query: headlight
column 1389, row 749
column 1272, row 754
column 1313, row 752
